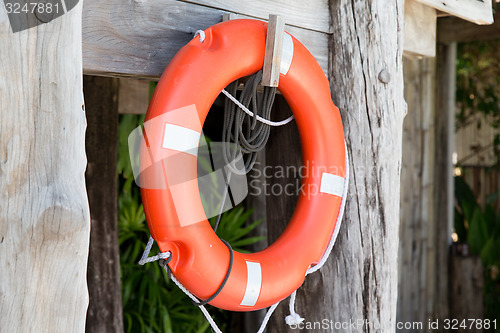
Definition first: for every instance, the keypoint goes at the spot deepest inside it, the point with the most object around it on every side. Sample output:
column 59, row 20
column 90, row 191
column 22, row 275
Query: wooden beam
column 44, row 212
column 476, row 11
column 133, row 96
column 311, row 14
column 420, row 30
column 101, row 107
column 138, row 39
column 274, row 46
column 452, row 29
column 466, row 287
column 440, row 232
column 417, row 192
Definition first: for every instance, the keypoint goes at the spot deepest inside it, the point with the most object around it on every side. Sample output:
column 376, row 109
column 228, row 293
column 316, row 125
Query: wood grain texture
column 44, row 213
column 440, row 233
column 283, row 150
column 417, row 214
column 274, row 47
column 138, row 38
column 476, row 11
column 133, row 96
column 420, row 30
column 466, row 290
column 453, row 29
column 311, row 14
column 360, row 279
column 105, row 299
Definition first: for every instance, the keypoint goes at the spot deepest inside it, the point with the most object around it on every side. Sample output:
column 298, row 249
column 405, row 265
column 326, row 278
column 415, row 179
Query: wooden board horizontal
column 311, row 14
column 476, row 11
column 452, row 29
column 127, row 38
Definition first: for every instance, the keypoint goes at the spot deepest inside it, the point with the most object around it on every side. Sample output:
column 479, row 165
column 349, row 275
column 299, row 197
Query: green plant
column 478, row 88
column 479, row 227
column 151, row 301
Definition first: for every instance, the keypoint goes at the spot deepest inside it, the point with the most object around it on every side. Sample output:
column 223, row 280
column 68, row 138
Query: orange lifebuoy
column 179, row 106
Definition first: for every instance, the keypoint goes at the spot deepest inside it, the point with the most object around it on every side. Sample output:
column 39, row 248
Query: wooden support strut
column 274, row 47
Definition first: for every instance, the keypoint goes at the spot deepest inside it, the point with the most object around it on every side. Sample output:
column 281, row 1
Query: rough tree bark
column 360, row 282
column 44, row 213
column 105, row 298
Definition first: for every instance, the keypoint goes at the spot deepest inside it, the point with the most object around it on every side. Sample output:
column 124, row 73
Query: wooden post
column 103, row 276
column 440, row 232
column 417, row 192
column 359, row 281
column 466, row 289
column 44, row 212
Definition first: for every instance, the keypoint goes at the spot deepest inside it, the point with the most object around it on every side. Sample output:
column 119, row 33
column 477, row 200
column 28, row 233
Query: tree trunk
column 44, row 213
column 101, row 105
column 359, row 282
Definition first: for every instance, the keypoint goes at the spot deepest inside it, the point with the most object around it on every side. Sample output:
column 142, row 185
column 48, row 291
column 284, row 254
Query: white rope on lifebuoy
column 200, row 33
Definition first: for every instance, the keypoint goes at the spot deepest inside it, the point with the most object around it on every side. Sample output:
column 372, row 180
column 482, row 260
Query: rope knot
column 293, row 319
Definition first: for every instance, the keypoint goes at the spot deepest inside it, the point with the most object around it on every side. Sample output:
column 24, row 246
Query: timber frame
column 137, row 39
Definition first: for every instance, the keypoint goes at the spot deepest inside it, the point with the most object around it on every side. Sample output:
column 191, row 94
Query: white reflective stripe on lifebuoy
column 286, row 54
column 182, row 139
column 254, row 282
column 332, row 184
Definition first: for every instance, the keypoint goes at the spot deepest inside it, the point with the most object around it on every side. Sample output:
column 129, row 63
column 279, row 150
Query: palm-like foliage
column 151, row 301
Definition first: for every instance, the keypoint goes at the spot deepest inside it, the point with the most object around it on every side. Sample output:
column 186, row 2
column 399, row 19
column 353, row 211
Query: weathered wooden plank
column 440, row 233
column 452, row 29
column 280, row 206
column 466, row 289
column 105, row 302
column 139, row 38
column 312, row 14
column 274, row 47
column 417, row 192
column 476, row 11
column 420, row 30
column 44, row 212
column 359, row 280
column 133, row 96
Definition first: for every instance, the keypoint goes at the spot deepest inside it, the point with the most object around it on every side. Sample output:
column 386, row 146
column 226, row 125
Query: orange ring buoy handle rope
column 177, row 111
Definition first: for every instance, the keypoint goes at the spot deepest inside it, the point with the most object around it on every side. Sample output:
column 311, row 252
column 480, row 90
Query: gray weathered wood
column 417, row 214
column 440, row 233
column 479, row 12
column 466, row 289
column 105, row 302
column 452, row 29
column 274, row 47
column 133, row 96
column 359, row 281
column 311, row 14
column 420, row 30
column 280, row 206
column 139, row 38
column 44, row 213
